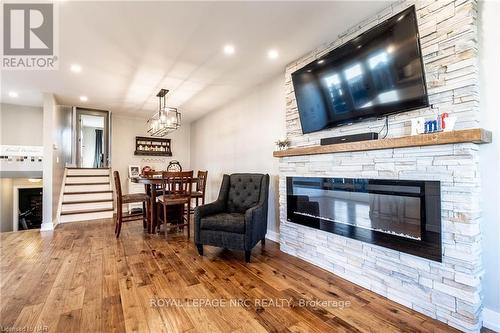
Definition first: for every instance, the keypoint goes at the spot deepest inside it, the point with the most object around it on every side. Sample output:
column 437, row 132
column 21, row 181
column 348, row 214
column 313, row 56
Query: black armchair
column 237, row 220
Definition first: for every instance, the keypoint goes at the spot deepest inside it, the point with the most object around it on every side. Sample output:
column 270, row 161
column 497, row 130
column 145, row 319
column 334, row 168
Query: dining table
column 151, row 184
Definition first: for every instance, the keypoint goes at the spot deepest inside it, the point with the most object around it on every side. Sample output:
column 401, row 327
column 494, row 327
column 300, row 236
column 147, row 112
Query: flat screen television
column 375, row 74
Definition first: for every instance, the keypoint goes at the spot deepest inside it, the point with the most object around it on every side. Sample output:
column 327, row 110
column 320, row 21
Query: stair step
column 74, row 184
column 76, row 168
column 108, row 214
column 75, row 176
column 87, row 211
column 87, row 172
column 87, row 196
column 86, row 206
column 86, row 201
column 79, row 179
column 75, row 188
column 89, row 192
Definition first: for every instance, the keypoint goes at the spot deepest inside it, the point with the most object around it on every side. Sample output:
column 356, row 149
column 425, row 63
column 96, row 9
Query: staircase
column 87, row 195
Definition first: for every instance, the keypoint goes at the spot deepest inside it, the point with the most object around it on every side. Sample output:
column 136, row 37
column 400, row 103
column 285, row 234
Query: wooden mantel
column 475, row 135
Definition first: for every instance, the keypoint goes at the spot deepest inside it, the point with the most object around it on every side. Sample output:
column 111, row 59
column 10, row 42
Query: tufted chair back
column 244, row 191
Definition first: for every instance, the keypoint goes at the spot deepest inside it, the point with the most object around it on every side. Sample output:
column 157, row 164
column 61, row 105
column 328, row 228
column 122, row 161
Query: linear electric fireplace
column 403, row 215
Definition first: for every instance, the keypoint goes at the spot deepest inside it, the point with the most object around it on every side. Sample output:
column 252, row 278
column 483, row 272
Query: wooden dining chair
column 201, row 186
column 176, row 197
column 153, row 174
column 121, row 199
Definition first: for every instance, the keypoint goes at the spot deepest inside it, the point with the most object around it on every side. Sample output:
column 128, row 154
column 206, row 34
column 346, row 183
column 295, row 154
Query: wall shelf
column 474, row 135
column 147, row 146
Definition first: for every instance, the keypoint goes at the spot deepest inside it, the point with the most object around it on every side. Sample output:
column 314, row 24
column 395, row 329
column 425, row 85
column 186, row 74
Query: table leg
column 152, row 225
column 147, row 190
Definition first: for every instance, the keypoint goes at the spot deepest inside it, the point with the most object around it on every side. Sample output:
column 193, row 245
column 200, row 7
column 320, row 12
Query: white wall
column 61, row 132
column 5, row 204
column 240, row 137
column 490, row 157
column 123, row 132
column 56, row 153
column 49, row 107
column 21, row 125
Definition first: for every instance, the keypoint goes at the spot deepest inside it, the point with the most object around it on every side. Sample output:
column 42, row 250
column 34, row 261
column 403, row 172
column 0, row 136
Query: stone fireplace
column 403, row 215
column 446, row 285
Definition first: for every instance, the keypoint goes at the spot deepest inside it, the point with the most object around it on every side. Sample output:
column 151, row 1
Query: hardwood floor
column 80, row 278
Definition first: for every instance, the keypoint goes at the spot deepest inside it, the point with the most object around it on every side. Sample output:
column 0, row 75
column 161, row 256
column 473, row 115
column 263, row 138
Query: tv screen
column 375, row 74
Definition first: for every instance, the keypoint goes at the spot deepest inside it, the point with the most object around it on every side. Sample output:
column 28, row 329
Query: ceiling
column 129, row 50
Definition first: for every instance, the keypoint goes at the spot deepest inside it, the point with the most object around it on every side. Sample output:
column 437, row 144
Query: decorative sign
column 6, row 150
column 442, row 123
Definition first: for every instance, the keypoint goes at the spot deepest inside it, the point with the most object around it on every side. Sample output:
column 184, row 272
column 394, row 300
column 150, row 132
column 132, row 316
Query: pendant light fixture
column 166, row 120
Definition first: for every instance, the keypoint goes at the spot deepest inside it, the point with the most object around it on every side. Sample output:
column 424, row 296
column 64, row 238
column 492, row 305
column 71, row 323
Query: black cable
column 386, row 126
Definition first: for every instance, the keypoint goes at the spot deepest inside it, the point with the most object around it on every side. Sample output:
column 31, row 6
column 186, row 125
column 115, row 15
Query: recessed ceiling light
column 272, row 54
column 13, row 94
column 229, row 49
column 321, row 61
column 75, row 68
column 84, row 98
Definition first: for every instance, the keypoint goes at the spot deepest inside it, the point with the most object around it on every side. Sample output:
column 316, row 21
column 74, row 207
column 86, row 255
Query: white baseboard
column 47, row 226
column 273, row 235
column 491, row 319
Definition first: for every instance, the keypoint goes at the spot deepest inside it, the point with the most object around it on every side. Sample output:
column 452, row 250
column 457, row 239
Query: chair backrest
column 201, row 184
column 118, row 190
column 177, row 183
column 244, row 191
column 152, row 173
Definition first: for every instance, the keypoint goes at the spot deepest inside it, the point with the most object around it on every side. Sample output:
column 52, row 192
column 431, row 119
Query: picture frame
column 134, row 171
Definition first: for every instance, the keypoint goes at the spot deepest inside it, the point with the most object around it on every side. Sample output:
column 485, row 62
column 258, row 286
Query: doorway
column 92, row 138
column 29, row 208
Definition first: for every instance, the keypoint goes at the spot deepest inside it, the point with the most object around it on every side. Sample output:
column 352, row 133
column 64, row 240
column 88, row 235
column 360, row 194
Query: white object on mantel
column 417, row 126
column 450, row 124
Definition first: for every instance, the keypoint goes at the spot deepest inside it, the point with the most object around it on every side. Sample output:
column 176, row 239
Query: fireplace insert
column 403, row 215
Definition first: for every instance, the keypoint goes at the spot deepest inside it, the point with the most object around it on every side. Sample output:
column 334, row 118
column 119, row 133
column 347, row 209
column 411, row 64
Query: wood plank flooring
column 79, row 278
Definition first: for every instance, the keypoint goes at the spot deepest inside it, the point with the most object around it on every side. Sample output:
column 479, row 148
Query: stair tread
column 87, row 211
column 72, row 184
column 87, row 192
column 75, row 168
column 70, row 176
column 86, row 201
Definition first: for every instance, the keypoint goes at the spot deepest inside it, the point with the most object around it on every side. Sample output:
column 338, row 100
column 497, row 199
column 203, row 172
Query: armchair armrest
column 255, row 213
column 255, row 224
column 200, row 212
column 215, row 207
column 212, row 208
column 256, row 217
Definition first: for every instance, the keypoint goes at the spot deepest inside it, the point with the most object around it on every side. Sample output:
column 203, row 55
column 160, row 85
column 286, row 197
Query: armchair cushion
column 229, row 222
column 244, row 192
